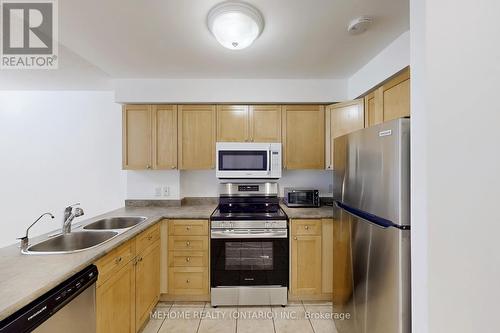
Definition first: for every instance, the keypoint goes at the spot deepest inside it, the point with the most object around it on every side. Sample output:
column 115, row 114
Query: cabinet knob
column 188, row 228
column 188, row 243
column 118, row 260
column 140, row 259
column 188, row 259
column 173, row 166
column 150, row 237
column 148, row 166
column 295, row 238
column 187, row 281
column 307, row 227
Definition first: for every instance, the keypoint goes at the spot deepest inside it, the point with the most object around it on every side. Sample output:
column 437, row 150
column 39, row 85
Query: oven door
column 244, row 261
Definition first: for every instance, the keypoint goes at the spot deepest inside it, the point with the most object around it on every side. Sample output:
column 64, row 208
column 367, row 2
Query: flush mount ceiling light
column 235, row 24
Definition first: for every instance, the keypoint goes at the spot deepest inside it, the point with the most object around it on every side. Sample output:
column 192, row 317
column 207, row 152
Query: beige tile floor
column 200, row 317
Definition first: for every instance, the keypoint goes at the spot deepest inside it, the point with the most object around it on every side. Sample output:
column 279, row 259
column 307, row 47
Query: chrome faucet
column 69, row 215
column 25, row 240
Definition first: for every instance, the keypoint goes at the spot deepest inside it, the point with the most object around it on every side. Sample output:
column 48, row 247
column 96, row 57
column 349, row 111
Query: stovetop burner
column 279, row 214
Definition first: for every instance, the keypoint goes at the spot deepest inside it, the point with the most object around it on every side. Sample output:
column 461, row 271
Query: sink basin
column 115, row 223
column 72, row 242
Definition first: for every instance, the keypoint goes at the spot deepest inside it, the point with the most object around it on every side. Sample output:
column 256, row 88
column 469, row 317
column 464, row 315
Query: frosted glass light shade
column 235, row 25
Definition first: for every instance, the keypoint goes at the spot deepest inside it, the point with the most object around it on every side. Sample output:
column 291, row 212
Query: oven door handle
column 248, row 234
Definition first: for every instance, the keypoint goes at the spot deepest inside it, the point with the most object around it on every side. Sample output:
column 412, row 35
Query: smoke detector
column 359, row 25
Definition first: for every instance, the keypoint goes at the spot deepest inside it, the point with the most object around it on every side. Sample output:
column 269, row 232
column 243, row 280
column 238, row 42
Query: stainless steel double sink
column 93, row 234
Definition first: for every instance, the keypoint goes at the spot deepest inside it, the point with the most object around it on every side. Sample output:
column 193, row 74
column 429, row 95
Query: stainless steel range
column 249, row 246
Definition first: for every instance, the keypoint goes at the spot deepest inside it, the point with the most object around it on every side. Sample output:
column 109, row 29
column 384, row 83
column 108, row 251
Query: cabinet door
column 265, row 123
column 303, row 136
column 136, row 137
column 115, row 302
column 396, row 97
column 165, row 136
column 327, row 255
column 147, row 275
column 306, row 265
column 347, row 117
column 374, row 113
column 196, row 136
column 233, row 123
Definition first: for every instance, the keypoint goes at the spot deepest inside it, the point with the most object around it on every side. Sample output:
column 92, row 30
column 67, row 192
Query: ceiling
column 169, row 38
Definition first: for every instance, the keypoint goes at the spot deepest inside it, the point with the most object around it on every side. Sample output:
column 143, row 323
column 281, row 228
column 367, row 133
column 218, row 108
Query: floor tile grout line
column 202, row 312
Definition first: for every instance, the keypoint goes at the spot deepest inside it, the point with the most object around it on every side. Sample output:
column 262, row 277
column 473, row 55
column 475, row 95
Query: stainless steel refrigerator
column 372, row 191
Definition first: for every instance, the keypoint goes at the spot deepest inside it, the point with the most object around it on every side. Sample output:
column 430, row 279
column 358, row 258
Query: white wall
column 203, row 183
column 388, row 62
column 57, row 148
column 229, row 91
column 455, row 165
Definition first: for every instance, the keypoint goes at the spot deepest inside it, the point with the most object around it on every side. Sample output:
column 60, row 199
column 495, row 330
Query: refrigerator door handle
column 377, row 220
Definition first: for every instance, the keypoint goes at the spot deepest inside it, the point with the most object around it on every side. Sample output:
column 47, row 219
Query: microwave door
column 243, row 163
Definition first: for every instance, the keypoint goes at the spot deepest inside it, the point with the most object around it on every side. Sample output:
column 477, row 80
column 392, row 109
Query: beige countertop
column 23, row 278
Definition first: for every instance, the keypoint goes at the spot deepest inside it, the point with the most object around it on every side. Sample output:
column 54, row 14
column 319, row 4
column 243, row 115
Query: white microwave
column 248, row 160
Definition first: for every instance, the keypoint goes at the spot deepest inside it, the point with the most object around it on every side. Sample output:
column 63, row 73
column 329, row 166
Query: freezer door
column 372, row 170
column 377, row 297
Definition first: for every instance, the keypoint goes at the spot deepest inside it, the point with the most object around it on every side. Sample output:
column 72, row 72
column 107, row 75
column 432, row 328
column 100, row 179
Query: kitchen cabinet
column 128, row 285
column 147, row 274
column 149, row 137
column 137, row 137
column 303, row 136
column 233, row 123
column 342, row 118
column 164, row 137
column 115, row 302
column 244, row 123
column 306, row 258
column 188, row 260
column 390, row 101
column 196, row 136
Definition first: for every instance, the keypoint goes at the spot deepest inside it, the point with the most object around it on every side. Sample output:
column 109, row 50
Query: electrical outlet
column 158, row 191
column 166, row 191
column 330, row 188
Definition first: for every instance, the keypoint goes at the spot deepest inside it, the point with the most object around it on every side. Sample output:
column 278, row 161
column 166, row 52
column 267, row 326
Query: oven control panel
column 269, row 224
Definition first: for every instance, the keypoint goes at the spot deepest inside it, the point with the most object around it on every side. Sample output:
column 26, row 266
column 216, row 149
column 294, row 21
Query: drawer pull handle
column 307, row 227
column 188, row 259
column 187, row 281
column 118, row 260
column 188, row 243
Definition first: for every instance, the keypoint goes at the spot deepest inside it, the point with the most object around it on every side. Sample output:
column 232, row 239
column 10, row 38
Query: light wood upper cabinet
column 343, row 118
column 233, row 123
column 115, row 302
column 265, row 123
column 137, row 137
column 306, row 258
column 303, row 132
column 390, row 101
column 244, row 123
column 196, row 137
column 147, row 282
column 396, row 97
column 149, row 137
column 164, row 136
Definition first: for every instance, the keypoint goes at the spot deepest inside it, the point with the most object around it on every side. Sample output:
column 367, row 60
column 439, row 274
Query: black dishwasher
column 69, row 307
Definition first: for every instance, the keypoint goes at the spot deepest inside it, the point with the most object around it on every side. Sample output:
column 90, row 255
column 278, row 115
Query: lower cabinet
column 188, row 260
column 115, row 302
column 311, row 259
column 306, row 258
column 128, row 285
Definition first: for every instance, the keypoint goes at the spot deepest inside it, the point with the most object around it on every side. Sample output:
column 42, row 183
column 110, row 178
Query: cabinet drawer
column 188, row 281
column 188, row 259
column 306, row 227
column 114, row 261
column 182, row 243
column 147, row 237
column 188, row 228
